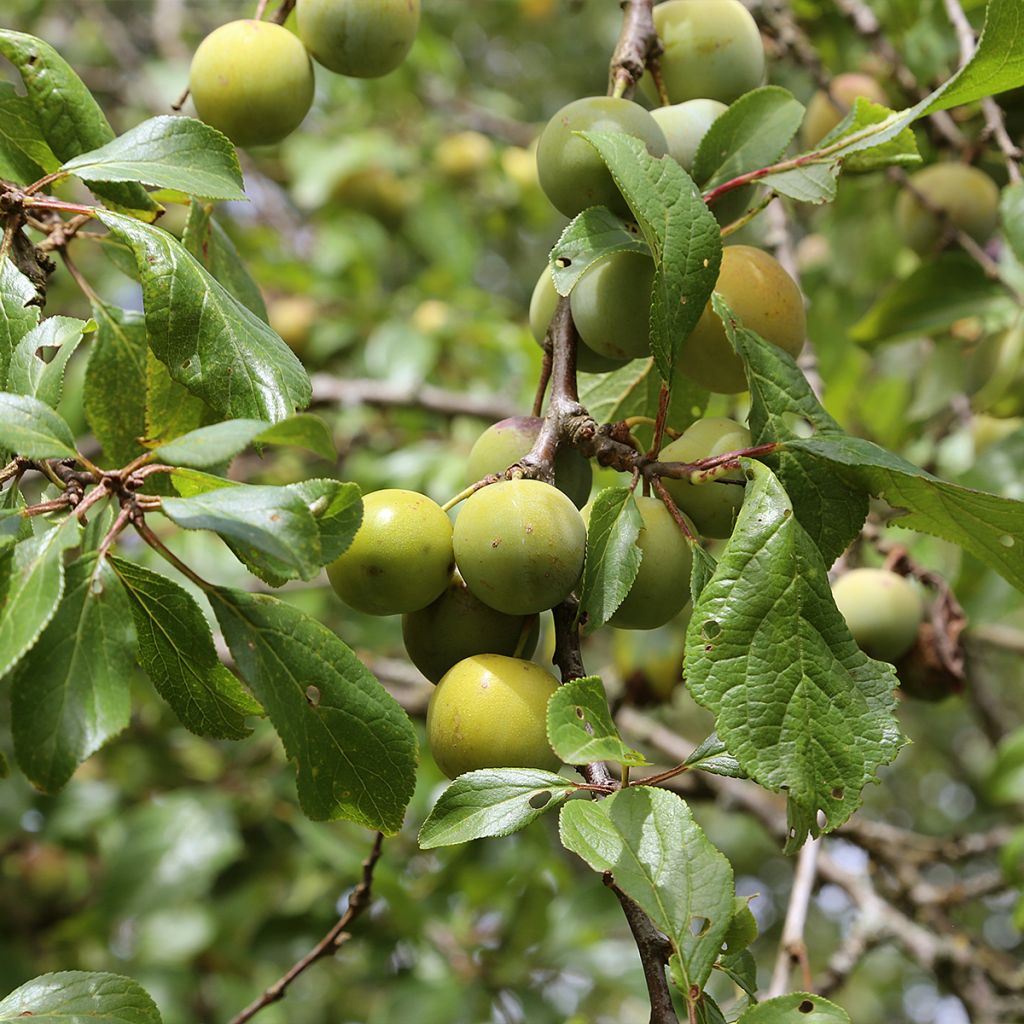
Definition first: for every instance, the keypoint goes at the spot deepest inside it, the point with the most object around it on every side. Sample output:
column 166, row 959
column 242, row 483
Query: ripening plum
column 713, row 506
column 571, row 173
column 490, row 711
column 401, row 557
column 458, row 625
column 358, row 38
column 611, row 306
column 662, row 585
column 252, row 80
column 883, row 611
column 713, row 50
column 519, row 545
column 968, row 197
column 507, row 441
column 764, row 298
column 826, row 109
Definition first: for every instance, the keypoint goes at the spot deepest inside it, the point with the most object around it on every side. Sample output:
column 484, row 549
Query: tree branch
column 638, row 46
column 792, row 947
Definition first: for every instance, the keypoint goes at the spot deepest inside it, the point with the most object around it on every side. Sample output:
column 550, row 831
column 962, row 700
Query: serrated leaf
column 592, row 235
column 32, row 429
column 303, row 430
column 30, row 373
column 80, row 997
column 795, row 1008
column 712, row 756
column 353, row 746
column 681, row 232
column 209, row 341
column 210, row 244
column 1011, row 217
column 270, row 527
column 706, row 1010
column 337, row 508
column 662, row 860
column 24, row 155
column 939, row 292
column 580, row 726
column 701, row 571
column 492, row 802
column 210, row 446
column 68, row 117
column 811, row 183
column 14, row 527
column 171, row 409
column 176, row 651
column 18, row 314
column 795, row 700
column 114, row 395
column 613, row 557
column 70, row 694
column 167, row 152
column 741, row 968
column 753, row 133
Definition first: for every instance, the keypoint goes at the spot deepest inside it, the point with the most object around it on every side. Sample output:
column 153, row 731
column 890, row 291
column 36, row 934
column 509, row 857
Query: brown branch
column 358, row 901
column 637, row 46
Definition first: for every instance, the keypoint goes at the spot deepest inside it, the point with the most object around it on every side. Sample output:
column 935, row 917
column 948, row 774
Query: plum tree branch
column 638, row 46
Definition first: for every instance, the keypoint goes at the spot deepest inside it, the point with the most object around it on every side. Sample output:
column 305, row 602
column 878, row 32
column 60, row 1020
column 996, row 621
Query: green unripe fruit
column 490, row 711
column 968, row 197
column 252, row 80
column 713, row 506
column 765, row 299
column 882, row 609
column 542, row 309
column 571, row 173
column 400, row 558
column 519, row 545
column 359, row 38
column 662, row 585
column 712, row 49
column 507, row 441
column 611, row 306
column 826, row 109
column 650, row 664
column 458, row 625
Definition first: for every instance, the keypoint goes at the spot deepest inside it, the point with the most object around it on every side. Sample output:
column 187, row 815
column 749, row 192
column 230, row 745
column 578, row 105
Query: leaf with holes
column 40, row 358
column 580, row 726
column 613, row 557
column 592, row 235
column 795, row 1008
column 492, row 802
column 80, row 997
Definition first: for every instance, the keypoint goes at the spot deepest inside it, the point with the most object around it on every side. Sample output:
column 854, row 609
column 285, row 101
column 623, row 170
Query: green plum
column 252, row 80
column 611, row 306
column 401, row 557
column 969, row 199
column 519, row 545
column 490, row 711
column 883, row 611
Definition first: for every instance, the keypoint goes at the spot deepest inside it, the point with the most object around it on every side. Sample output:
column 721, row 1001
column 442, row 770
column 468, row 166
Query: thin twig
column 638, row 45
column 792, row 946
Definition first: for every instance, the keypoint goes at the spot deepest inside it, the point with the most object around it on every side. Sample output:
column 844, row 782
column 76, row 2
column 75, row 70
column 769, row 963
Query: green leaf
column 742, row 929
column 580, row 726
column 662, row 860
column 753, row 133
column 210, row 342
column 592, row 235
column 270, row 528
column 167, row 152
column 176, row 651
column 18, row 312
column 811, row 183
column 899, row 150
column 712, row 756
column 1011, row 217
column 171, row 409
column 32, row 429
column 681, row 232
column 740, row 967
column 303, row 430
column 939, row 292
column 24, row 155
column 70, row 120
column 353, row 746
column 613, row 557
column 80, row 997
column 210, row 244
column 796, row 1008
column 492, row 802
column 14, row 527
column 114, row 395
column 70, row 694
column 40, row 358
column 702, row 570
column 795, row 700
column 337, row 509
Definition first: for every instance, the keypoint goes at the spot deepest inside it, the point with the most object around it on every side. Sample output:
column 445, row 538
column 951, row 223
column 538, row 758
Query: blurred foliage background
column 396, row 238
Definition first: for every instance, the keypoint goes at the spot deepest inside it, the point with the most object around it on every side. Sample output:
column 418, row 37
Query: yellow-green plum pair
column 662, row 585
column 358, row 38
column 542, row 309
column 765, row 299
column 571, row 173
column 882, row 609
column 611, row 306
column 967, row 197
column 401, row 557
column 713, row 506
column 712, row 50
column 458, row 625
column 519, row 545
column 504, row 443
column 826, row 109
column 252, row 80
column 490, row 711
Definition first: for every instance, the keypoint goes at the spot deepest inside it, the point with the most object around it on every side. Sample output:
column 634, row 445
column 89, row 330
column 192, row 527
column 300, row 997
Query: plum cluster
column 253, row 80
